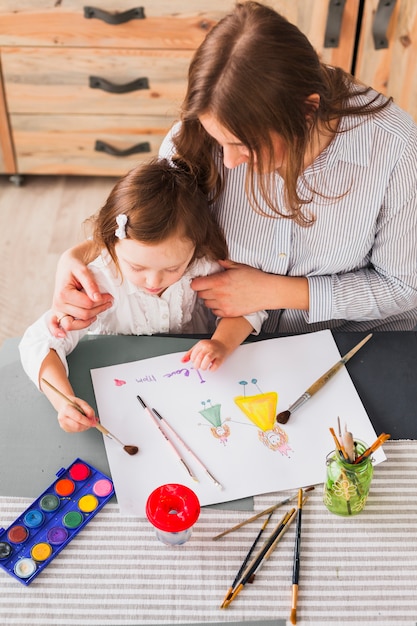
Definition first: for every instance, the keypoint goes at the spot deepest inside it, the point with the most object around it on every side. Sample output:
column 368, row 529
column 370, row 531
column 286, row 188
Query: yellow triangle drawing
column 260, row 409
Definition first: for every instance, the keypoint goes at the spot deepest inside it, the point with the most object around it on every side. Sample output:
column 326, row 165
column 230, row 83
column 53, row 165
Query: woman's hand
column 77, row 300
column 239, row 290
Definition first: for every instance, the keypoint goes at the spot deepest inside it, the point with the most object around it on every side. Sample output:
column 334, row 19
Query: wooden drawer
column 180, row 24
column 45, row 80
column 168, row 24
column 57, row 55
column 64, row 144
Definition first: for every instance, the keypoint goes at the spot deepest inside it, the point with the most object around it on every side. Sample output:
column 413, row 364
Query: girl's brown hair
column 254, row 73
column 159, row 200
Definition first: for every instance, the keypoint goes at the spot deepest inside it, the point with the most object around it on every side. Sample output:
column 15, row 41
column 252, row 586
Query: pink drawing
column 119, row 383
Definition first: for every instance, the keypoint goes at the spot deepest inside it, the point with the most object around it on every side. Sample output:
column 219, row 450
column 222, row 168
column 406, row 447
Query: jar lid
column 172, row 508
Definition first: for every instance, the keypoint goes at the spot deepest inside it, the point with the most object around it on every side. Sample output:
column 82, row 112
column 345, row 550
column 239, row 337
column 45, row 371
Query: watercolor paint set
column 39, row 534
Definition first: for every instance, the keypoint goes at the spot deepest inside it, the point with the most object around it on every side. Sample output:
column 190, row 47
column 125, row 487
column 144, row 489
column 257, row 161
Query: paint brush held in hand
column 129, row 449
column 284, row 416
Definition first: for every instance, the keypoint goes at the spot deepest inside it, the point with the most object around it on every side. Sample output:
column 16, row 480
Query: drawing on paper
column 219, row 429
column 248, row 454
column 261, row 409
column 185, row 371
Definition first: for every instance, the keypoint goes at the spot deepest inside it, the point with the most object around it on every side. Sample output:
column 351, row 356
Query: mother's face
column 234, row 151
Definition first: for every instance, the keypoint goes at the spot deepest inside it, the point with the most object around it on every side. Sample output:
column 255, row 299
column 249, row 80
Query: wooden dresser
column 90, row 90
column 93, row 89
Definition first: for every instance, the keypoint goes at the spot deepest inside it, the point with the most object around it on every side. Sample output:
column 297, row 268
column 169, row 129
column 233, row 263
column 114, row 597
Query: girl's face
column 234, row 152
column 154, row 267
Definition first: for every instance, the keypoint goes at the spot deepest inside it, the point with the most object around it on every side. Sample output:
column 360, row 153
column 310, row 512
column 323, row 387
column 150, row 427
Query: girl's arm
column 211, row 353
column 70, row 420
column 44, row 356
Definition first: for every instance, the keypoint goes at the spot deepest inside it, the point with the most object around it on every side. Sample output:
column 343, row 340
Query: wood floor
column 37, row 222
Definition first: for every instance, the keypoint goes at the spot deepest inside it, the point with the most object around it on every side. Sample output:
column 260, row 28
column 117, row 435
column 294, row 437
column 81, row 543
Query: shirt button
column 282, row 255
column 164, row 316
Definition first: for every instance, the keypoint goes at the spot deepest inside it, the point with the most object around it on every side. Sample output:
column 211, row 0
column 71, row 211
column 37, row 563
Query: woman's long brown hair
column 254, row 73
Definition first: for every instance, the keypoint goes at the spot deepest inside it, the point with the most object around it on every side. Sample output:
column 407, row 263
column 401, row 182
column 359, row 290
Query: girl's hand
column 73, row 421
column 206, row 354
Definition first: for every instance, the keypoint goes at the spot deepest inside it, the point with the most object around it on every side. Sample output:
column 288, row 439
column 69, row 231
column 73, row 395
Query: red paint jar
column 173, row 510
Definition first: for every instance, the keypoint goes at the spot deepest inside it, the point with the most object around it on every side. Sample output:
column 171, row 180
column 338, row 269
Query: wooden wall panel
column 7, row 158
column 392, row 70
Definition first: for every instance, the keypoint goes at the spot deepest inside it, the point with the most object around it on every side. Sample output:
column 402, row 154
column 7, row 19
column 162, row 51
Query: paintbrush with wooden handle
column 129, row 449
column 284, row 416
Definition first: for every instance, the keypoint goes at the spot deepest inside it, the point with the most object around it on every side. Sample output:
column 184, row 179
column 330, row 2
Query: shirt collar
column 353, row 144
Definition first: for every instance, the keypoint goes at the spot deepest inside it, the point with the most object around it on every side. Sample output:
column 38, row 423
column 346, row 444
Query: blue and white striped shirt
column 360, row 255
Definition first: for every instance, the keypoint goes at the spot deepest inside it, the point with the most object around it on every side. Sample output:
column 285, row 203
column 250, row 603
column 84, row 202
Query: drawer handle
column 102, row 146
column 381, row 21
column 334, row 23
column 114, row 18
column 96, row 82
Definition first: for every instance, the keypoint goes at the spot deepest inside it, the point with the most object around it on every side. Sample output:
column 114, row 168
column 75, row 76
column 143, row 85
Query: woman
column 311, row 176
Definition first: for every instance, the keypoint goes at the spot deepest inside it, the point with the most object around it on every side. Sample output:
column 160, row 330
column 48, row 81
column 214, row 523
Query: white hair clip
column 121, row 222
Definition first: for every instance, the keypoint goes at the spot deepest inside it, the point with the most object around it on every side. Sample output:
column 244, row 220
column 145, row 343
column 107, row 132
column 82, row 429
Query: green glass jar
column 347, row 485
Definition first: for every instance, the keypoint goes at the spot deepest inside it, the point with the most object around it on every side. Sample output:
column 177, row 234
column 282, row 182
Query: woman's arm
column 76, row 292
column 385, row 286
column 242, row 289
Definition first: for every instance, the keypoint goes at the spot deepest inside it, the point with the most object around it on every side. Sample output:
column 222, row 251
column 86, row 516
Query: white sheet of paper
column 248, row 457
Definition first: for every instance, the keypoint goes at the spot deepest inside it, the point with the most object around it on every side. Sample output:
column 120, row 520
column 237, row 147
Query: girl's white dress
column 134, row 312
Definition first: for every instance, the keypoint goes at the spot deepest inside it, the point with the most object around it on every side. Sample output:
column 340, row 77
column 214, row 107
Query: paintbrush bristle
column 131, row 449
column 282, row 418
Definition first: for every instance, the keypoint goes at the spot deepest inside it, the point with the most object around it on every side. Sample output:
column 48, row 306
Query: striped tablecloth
column 359, row 570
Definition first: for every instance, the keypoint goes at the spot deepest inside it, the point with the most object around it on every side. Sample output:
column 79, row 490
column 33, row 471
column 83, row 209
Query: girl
column 152, row 237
